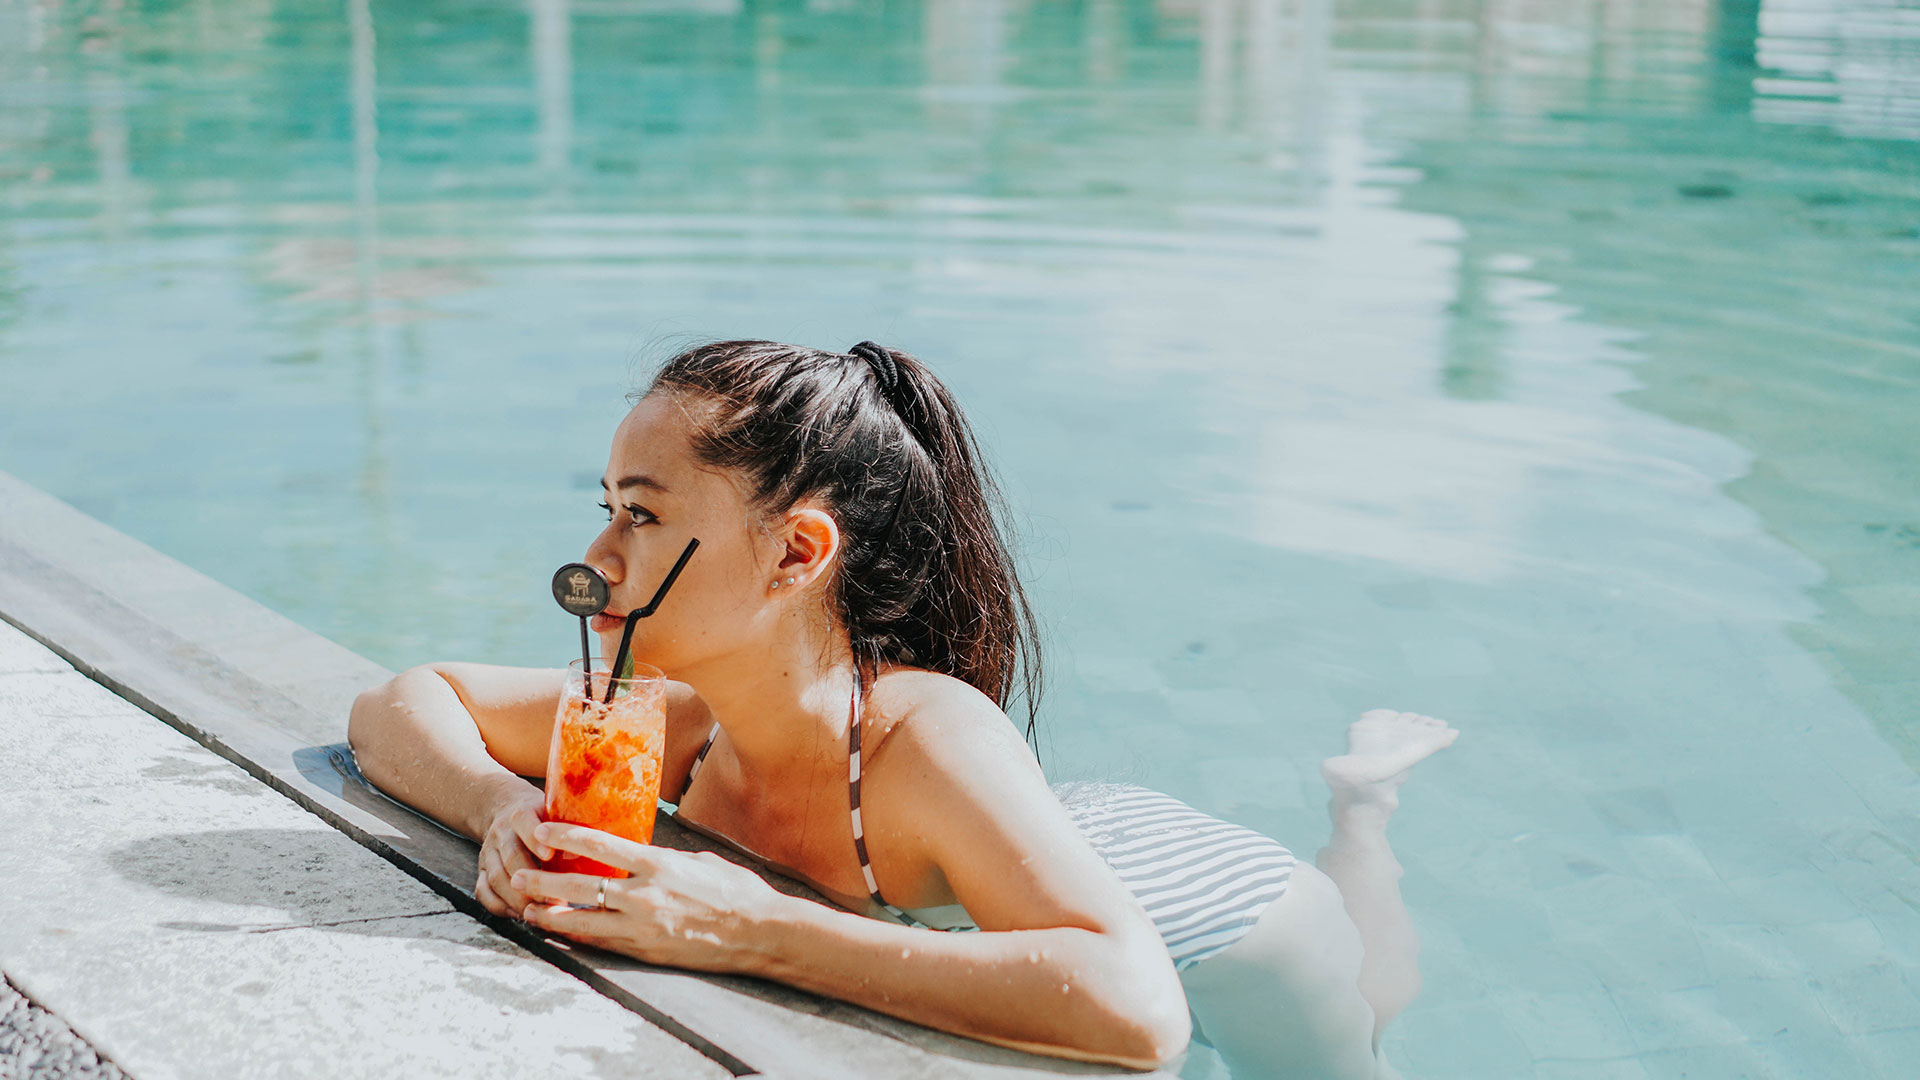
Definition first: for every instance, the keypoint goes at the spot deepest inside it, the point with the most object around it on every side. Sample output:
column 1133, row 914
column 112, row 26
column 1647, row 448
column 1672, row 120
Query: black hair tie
column 882, row 364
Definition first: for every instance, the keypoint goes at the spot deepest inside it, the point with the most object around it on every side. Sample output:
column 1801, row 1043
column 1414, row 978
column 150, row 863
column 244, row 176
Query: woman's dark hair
column 925, row 577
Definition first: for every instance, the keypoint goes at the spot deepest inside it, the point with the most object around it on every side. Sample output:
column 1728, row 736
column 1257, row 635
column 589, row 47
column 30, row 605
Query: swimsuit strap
column 702, row 755
column 853, row 799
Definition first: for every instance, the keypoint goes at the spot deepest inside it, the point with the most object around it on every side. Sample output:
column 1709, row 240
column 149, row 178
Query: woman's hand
column 682, row 909
column 510, row 846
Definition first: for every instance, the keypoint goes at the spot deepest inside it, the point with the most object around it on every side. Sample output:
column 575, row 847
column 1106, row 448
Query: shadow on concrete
column 302, row 873
column 447, row 854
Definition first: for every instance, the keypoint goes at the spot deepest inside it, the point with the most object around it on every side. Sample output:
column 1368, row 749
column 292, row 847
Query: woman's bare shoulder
column 931, row 712
column 958, row 798
column 949, row 744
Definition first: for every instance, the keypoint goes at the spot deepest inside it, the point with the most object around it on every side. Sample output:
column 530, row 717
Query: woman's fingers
column 541, row 886
column 637, row 859
column 525, row 823
column 492, row 881
column 586, row 924
column 483, row 892
column 513, row 855
column 494, row 868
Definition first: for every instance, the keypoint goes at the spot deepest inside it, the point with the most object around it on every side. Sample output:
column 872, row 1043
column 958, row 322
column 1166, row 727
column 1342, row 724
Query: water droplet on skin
column 906, row 954
column 1064, row 988
column 1033, row 958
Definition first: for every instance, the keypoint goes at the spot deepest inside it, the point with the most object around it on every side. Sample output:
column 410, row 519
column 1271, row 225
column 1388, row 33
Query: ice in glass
column 603, row 767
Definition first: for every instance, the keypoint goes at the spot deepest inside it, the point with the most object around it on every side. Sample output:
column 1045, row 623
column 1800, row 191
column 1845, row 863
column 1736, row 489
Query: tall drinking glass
column 603, row 767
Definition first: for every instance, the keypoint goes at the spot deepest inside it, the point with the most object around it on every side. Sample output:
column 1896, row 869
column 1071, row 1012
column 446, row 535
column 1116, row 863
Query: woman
column 842, row 648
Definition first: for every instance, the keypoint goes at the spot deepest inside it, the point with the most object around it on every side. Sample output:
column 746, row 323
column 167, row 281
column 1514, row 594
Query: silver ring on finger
column 600, row 895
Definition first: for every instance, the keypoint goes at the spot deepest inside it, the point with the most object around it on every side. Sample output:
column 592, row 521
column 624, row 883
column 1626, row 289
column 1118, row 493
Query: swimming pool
column 1549, row 368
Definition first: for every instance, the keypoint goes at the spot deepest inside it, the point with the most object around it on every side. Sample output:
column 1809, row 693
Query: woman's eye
column 638, row 515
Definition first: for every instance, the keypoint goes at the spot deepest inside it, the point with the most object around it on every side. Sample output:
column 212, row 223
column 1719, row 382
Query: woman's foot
column 1381, row 746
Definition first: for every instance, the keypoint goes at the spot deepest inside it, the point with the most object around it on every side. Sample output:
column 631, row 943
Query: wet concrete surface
column 186, row 920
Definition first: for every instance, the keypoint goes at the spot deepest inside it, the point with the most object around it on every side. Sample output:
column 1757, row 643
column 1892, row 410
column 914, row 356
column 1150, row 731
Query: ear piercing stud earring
column 776, row 583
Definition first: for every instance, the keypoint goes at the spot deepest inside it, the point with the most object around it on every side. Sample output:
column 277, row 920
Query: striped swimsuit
column 1203, row 882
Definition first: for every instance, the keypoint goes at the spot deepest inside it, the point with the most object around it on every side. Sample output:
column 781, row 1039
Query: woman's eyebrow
column 636, row 480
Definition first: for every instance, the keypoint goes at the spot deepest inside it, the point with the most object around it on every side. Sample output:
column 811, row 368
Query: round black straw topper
column 581, row 590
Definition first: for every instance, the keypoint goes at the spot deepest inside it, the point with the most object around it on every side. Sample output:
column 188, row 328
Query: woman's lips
column 603, row 622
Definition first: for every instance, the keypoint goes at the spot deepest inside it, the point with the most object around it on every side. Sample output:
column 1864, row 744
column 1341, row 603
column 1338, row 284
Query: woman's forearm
column 1063, row 991
column 415, row 739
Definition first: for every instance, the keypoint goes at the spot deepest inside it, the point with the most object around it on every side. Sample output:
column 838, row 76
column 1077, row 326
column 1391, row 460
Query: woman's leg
column 1306, row 994
column 1381, row 746
column 1284, row 1001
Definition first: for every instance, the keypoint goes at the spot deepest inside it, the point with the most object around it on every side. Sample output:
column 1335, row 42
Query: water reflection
column 552, row 47
column 964, row 50
column 362, row 90
column 1850, row 65
column 108, row 136
column 1264, row 67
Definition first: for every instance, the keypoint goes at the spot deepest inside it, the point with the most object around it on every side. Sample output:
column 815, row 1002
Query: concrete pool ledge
column 272, row 697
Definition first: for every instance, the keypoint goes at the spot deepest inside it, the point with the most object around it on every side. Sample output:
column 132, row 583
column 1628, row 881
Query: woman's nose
column 602, row 557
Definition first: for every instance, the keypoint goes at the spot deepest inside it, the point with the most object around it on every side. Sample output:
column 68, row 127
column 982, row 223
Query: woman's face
column 660, row 498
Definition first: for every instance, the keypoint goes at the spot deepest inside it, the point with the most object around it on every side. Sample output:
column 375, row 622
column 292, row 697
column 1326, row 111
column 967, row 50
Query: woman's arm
column 1067, row 963
column 1092, row 994
column 454, row 741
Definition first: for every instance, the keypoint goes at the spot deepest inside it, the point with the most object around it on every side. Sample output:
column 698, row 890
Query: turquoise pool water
column 1553, row 368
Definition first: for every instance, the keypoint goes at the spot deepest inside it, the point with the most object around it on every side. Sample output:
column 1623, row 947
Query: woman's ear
column 812, row 540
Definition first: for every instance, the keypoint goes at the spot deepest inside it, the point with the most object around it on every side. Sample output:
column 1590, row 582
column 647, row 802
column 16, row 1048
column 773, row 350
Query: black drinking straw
column 634, row 616
column 586, row 662
column 582, row 590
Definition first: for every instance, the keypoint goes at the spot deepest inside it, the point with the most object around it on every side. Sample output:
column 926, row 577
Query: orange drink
column 603, row 767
